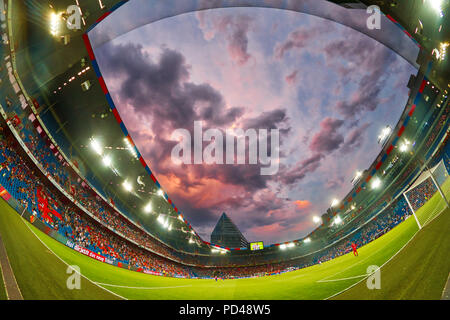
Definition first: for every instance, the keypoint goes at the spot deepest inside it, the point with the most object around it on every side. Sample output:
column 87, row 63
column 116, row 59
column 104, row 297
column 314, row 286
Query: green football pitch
column 414, row 265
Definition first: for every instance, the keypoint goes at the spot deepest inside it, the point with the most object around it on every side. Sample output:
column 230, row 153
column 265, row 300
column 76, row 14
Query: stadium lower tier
column 44, row 203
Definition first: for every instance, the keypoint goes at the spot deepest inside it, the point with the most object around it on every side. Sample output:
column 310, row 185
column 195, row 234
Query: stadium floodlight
column 180, row 218
column 130, row 147
column 191, row 240
column 442, row 51
column 96, row 146
column 307, row 240
column 290, row 245
column 376, row 183
column 107, row 161
column 170, row 227
column 437, row 6
column 55, row 20
column 282, row 246
column 384, row 134
column 127, row 186
column 160, row 193
column 335, row 202
column 404, row 146
column 148, row 208
column 337, row 220
column 219, row 250
column 357, row 177
column 317, row 219
column 352, row 207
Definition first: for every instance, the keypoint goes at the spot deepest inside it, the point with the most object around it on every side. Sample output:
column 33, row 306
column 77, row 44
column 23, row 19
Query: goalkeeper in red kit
column 354, row 248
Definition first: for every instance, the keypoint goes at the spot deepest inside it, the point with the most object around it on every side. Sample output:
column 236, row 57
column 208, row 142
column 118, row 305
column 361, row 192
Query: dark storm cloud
column 160, row 91
column 234, row 28
column 327, row 139
column 301, row 169
column 367, row 59
column 324, row 142
column 238, row 39
column 268, row 120
column 355, row 138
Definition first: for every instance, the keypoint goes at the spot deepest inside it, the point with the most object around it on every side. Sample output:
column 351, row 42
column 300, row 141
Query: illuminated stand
column 438, row 169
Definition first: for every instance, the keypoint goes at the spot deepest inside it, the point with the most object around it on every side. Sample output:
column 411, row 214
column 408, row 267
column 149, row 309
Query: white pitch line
column 338, row 293
column 291, row 278
column 435, row 209
column 23, row 220
column 139, row 288
column 342, row 279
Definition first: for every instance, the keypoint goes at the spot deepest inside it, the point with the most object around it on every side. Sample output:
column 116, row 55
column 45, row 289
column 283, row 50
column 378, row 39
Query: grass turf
column 2, row 287
column 41, row 275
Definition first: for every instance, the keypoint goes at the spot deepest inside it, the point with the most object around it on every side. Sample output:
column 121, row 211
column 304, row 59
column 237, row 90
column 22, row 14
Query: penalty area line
column 342, row 279
column 392, row 257
column 349, row 267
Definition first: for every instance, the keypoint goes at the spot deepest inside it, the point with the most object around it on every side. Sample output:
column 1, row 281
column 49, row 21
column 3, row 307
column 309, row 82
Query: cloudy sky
column 327, row 88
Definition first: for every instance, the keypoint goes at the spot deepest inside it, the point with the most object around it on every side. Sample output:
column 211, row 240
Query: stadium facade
column 226, row 234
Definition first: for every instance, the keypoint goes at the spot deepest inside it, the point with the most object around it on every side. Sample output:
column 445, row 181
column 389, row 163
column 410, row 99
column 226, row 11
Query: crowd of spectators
column 421, row 193
column 25, row 185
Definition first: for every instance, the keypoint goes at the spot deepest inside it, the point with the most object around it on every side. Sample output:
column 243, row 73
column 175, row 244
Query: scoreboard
column 257, row 245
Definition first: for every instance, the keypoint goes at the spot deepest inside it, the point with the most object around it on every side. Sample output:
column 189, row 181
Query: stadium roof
column 73, row 116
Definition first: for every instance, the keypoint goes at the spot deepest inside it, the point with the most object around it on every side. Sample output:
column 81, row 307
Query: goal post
column 425, row 186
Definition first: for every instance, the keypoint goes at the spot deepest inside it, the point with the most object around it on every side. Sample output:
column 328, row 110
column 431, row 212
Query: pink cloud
column 302, row 204
column 292, row 78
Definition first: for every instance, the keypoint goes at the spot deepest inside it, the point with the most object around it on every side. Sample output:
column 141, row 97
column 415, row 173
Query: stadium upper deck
column 70, row 117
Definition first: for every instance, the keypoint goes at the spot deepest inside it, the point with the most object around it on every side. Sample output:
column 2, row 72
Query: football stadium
column 83, row 216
